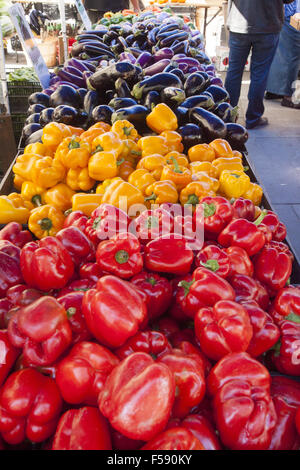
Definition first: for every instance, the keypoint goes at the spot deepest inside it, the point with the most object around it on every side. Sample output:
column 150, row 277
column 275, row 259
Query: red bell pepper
column 188, row 373
column 243, row 407
column 14, row 233
column 169, row 254
column 121, row 255
column 242, row 233
column 122, row 442
column 270, row 220
column 138, row 397
column 176, row 312
column 174, row 439
column 240, row 263
column 150, row 342
column 30, row 404
column 223, row 329
column 151, row 224
column 105, row 222
column 158, row 291
column 246, row 288
column 265, row 332
column 273, row 268
column 215, row 259
column 21, row 295
column 243, row 209
column 285, row 393
column 8, row 355
column 281, row 248
column 42, row 330
column 72, row 303
column 46, row 264
column 280, row 233
column 82, row 429
column 76, row 219
column 184, row 225
column 81, row 375
column 5, row 307
column 90, row 271
column 80, row 285
column 202, row 429
column 204, row 290
column 113, row 311
column 78, row 245
column 10, row 273
column 215, row 213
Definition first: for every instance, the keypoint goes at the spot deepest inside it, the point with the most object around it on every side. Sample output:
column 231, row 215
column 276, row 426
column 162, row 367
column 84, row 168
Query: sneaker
column 272, row 96
column 289, row 104
column 260, row 123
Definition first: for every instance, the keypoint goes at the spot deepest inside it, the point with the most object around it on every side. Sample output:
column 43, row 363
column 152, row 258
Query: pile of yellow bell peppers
column 73, row 169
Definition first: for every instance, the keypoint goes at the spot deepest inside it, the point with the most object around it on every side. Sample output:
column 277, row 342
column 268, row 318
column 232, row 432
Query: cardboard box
column 295, row 21
column 7, row 142
column 222, row 59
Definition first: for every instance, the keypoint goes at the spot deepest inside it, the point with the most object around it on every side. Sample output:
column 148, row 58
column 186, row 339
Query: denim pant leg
column 263, row 50
column 239, row 48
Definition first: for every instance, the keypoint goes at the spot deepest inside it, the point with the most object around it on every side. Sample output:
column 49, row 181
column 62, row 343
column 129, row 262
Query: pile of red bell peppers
column 130, row 342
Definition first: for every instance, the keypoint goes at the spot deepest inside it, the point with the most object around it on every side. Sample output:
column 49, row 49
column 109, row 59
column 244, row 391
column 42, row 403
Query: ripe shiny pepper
column 174, row 439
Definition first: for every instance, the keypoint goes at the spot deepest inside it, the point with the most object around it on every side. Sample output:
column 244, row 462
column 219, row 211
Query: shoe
column 260, row 123
column 289, row 104
column 272, row 96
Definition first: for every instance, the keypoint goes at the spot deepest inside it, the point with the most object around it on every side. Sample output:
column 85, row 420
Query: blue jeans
column 286, row 63
column 263, row 47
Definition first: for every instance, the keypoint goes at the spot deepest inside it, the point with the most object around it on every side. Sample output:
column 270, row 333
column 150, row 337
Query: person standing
column 254, row 26
column 97, row 8
column 285, row 66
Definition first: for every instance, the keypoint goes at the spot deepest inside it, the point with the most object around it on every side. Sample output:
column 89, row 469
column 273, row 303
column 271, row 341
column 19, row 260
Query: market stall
column 149, row 291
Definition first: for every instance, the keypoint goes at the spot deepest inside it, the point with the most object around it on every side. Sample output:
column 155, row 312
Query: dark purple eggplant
column 179, row 73
column 82, row 119
column 212, row 126
column 127, row 57
column 46, row 116
column 157, row 67
column 30, row 129
column 191, row 135
column 32, row 119
column 152, row 99
column 102, row 113
column 165, row 53
column 91, row 100
column 226, row 112
column 182, row 115
column 105, row 78
column 220, row 95
column 81, row 93
column 68, row 77
column 144, row 59
column 122, row 88
column 81, row 65
column 158, row 82
column 72, row 70
column 177, row 36
column 179, row 47
column 173, row 97
column 152, row 36
column 66, row 114
column 39, row 98
column 118, row 103
column 108, row 96
column 65, row 95
column 202, row 101
column 196, row 83
column 135, row 114
column 35, row 108
column 33, row 134
column 216, row 81
column 237, row 135
column 135, row 51
column 167, row 28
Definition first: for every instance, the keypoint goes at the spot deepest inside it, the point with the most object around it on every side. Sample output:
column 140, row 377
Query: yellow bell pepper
column 94, row 131
column 161, row 192
column 124, row 129
column 173, row 140
column 38, row 148
column 153, row 163
column 179, row 157
column 234, row 183
column 153, row 145
column 130, row 150
column 45, row 221
column 203, row 167
column 102, row 187
column 20, row 201
column 180, row 175
column 108, row 142
column 162, row 118
column 86, row 202
column 141, row 179
column 125, row 168
column 59, row 196
column 73, row 152
column 254, row 193
column 47, row 172
column 201, row 153
column 103, row 165
column 211, row 182
column 231, row 164
column 54, row 133
column 222, row 148
column 12, row 211
column 78, row 179
column 123, row 195
column 24, row 164
column 194, row 192
column 33, row 192
column 18, row 181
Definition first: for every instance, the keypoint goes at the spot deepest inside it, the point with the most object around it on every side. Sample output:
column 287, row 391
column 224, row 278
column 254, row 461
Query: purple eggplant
column 102, row 113
column 65, row 95
column 172, row 96
column 35, row 108
column 191, row 135
column 212, row 126
column 65, row 114
column 237, row 135
column 39, row 98
column 217, row 81
column 81, row 65
column 72, row 70
column 127, row 57
column 33, row 118
column 219, row 94
column 69, row 77
column 144, row 59
column 165, row 53
column 156, row 82
column 46, row 116
column 157, row 67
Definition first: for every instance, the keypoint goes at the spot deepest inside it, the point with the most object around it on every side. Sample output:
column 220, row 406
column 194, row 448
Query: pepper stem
column 121, row 256
column 186, row 286
column 211, row 264
column 151, row 281
column 37, row 200
column 260, row 218
column 151, row 198
column 176, row 166
column 209, row 209
column 46, row 224
column 74, row 144
column 96, row 223
column 119, row 162
column 193, row 199
column 71, row 311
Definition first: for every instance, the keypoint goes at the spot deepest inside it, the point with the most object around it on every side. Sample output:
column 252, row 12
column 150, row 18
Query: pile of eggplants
column 124, row 70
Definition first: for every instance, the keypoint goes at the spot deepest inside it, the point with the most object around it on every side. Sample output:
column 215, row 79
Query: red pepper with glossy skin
column 240, row 263
column 184, row 225
column 105, row 222
column 273, row 268
column 90, row 271
column 204, row 290
column 150, row 342
column 265, row 332
column 14, row 233
column 47, row 264
column 80, row 285
column 223, row 329
column 8, row 355
column 215, row 213
column 202, row 429
column 72, row 303
column 81, row 375
column 120, row 255
column 169, row 254
column 174, row 439
column 246, row 288
column 151, row 224
column 270, row 220
column 243, row 209
column 78, row 245
column 21, row 295
column 82, row 429
column 42, row 330
column 76, row 219
column 30, row 404
column 285, row 393
column 280, row 233
column 113, row 311
column 158, row 291
column 215, row 259
column 5, row 307
column 10, row 273
column 244, row 411
column 280, row 247
column 242, row 233
column 138, row 397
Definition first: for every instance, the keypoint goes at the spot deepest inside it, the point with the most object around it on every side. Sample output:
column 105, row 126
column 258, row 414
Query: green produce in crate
column 24, row 74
